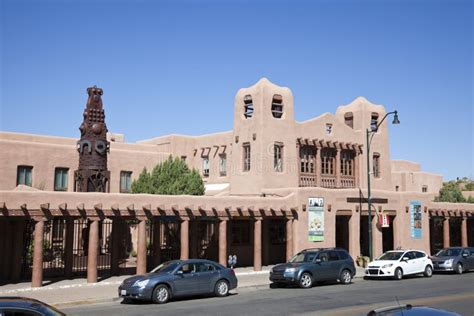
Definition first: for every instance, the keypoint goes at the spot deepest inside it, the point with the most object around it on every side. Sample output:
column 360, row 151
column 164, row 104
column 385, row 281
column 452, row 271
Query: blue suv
column 314, row 265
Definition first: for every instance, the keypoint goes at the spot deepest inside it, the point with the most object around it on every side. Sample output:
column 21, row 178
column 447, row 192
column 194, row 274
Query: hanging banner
column 384, row 220
column 415, row 219
column 316, row 219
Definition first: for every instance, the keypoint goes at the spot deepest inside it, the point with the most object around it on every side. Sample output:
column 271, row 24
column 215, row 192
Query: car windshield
column 391, row 255
column 166, row 267
column 449, row 252
column 303, row 257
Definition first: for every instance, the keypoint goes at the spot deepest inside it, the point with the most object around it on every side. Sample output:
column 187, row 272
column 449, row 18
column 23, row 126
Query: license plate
column 123, row 292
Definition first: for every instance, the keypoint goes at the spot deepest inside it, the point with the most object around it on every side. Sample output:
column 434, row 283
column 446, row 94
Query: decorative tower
column 92, row 175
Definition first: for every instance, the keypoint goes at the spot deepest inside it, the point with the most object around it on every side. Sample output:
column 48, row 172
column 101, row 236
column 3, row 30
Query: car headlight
column 449, row 262
column 140, row 284
column 290, row 269
column 387, row 265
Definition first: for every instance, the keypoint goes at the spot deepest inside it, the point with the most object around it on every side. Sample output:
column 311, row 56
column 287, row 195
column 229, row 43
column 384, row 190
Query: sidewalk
column 78, row 291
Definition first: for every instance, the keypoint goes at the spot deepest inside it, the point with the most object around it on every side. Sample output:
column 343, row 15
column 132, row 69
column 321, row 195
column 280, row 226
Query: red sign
column 384, row 220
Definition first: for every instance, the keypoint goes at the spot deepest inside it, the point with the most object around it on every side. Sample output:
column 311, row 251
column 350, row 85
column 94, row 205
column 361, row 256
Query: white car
column 397, row 263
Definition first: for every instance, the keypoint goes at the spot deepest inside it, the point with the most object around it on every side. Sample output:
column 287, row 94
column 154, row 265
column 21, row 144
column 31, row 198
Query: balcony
column 328, row 181
column 307, row 180
column 347, row 182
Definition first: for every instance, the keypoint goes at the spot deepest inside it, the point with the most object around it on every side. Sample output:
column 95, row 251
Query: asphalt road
column 450, row 292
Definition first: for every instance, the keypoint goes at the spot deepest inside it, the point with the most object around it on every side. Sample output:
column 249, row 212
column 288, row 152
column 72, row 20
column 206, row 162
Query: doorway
column 342, row 231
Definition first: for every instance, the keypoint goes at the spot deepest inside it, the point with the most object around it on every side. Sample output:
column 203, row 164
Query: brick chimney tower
column 92, row 175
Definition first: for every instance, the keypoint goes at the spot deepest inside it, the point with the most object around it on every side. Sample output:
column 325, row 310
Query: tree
column 450, row 192
column 171, row 177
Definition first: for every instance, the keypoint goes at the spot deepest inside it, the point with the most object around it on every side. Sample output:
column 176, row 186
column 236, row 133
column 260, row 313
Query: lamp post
column 370, row 135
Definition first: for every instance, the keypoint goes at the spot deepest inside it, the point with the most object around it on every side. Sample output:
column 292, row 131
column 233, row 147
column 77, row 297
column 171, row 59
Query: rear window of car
column 343, row 255
column 333, row 256
column 419, row 254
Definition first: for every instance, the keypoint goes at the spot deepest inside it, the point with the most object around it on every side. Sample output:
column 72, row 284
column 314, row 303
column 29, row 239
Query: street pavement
column 447, row 291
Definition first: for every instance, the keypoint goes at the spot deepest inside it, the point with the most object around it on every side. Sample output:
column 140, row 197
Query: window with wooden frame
column 205, row 166
column 60, row 179
column 277, row 106
column 328, row 161
column 246, row 156
column 424, row 189
column 125, row 181
column 24, row 175
column 347, row 162
column 374, row 121
column 222, row 165
column 328, row 129
column 376, row 165
column 349, row 119
column 278, row 157
column 248, row 106
column 307, row 158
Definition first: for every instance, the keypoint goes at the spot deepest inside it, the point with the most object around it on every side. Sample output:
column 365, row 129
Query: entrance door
column 455, row 231
column 436, row 234
column 342, row 231
column 364, row 235
column 387, row 236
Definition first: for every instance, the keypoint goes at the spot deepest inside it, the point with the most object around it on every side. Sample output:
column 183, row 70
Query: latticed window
column 277, row 106
column 60, row 179
column 328, row 161
column 223, row 165
column 24, row 175
column 307, row 159
column 125, row 181
column 248, row 106
column 205, row 166
column 347, row 162
column 328, row 129
column 246, row 148
column 349, row 119
column 376, row 165
column 278, row 157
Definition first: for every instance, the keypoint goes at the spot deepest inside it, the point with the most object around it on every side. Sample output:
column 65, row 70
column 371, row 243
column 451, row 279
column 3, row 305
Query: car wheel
column 345, row 277
column 459, row 268
column 306, row 281
column 222, row 288
column 161, row 294
column 428, row 271
column 398, row 274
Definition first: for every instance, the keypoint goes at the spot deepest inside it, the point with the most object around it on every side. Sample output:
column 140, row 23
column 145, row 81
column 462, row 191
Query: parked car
column 457, row 259
column 398, row 263
column 409, row 310
column 26, row 306
column 312, row 265
column 179, row 278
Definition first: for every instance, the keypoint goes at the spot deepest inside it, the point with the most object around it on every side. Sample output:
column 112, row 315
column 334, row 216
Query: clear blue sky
column 175, row 66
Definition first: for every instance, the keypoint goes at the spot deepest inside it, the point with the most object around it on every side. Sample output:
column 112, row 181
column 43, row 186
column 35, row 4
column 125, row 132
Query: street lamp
column 370, row 134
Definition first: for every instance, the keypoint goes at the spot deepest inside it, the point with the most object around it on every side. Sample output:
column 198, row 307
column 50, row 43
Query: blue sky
column 175, row 66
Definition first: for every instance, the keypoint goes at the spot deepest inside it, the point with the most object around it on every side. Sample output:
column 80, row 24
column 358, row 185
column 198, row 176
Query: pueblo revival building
column 274, row 186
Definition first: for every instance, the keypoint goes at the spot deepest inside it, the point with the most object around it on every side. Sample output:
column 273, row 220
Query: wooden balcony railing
column 328, row 181
column 347, row 182
column 307, row 180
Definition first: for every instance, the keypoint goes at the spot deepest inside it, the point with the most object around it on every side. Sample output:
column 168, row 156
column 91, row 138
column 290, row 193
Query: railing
column 347, row 182
column 328, row 181
column 307, row 180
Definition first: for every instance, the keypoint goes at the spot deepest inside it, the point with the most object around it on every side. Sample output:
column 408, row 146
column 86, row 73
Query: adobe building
column 274, row 186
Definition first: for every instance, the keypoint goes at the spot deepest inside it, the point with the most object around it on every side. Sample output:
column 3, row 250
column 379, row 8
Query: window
column 23, row 175
column 60, row 179
column 343, row 255
column 328, row 129
column 347, row 162
column 307, row 159
column 349, row 119
column 328, row 159
column 376, row 165
column 183, row 158
column 246, row 147
column 333, row 256
column 248, row 106
column 424, row 189
column 277, row 157
column 397, row 188
column 240, row 232
column 373, row 121
column 205, row 166
column 204, row 267
column 223, row 165
column 323, row 256
column 277, row 106
column 125, row 181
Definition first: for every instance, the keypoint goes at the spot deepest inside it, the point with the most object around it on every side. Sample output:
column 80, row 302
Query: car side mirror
column 317, row 260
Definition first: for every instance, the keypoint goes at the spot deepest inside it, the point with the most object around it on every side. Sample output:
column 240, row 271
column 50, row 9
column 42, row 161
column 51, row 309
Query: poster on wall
column 316, row 219
column 415, row 219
